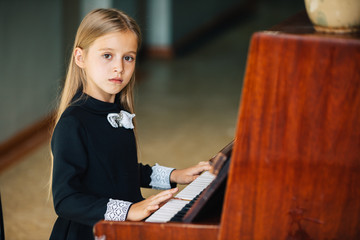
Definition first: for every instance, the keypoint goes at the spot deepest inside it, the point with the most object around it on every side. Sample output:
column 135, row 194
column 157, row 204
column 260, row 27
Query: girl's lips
column 116, row 80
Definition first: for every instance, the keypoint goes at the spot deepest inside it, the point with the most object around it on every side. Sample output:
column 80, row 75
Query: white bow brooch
column 122, row 119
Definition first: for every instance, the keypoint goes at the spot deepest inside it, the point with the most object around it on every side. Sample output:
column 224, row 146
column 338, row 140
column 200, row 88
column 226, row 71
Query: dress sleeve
column 117, row 210
column 156, row 177
column 68, row 146
column 160, row 177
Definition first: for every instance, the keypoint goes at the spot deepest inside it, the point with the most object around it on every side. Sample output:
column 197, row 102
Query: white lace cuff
column 160, row 177
column 117, row 210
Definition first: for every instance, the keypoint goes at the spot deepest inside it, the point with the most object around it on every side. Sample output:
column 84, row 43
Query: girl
column 96, row 174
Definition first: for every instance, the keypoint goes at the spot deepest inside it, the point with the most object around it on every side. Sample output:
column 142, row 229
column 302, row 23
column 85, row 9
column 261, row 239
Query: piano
column 294, row 168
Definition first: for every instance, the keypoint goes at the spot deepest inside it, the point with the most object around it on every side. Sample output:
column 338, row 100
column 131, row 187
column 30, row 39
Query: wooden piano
column 294, row 171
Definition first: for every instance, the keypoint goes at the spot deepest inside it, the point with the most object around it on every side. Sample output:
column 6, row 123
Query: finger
column 200, row 168
column 207, row 164
column 169, row 191
column 162, row 197
column 154, row 197
column 194, row 177
column 162, row 200
column 152, row 208
column 174, row 190
column 204, row 163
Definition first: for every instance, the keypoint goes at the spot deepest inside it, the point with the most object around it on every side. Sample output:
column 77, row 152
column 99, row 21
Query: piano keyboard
column 183, row 198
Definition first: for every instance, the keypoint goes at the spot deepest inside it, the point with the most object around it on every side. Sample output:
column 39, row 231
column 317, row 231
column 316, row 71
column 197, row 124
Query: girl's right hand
column 139, row 211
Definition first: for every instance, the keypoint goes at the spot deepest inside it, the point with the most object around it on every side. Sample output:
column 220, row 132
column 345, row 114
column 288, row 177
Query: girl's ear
column 79, row 57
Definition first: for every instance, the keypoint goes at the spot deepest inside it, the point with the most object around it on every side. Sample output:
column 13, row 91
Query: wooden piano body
column 295, row 167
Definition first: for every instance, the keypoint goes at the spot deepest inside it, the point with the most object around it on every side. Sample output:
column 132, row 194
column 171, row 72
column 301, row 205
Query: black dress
column 93, row 162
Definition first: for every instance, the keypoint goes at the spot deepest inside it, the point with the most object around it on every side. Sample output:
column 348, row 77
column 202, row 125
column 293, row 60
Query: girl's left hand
column 187, row 175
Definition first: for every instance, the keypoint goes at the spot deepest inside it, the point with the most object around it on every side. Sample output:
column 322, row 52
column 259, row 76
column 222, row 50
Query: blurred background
column 189, row 78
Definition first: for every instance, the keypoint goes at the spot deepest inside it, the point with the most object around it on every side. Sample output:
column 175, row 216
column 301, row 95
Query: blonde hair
column 95, row 24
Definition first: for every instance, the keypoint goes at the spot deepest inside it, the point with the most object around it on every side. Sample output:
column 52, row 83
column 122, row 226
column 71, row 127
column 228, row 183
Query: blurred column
column 159, row 20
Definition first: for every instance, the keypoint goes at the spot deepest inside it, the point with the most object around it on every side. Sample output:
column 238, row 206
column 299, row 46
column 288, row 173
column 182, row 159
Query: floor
column 186, row 111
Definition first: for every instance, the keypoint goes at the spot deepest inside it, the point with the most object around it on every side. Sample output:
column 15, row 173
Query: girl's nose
column 118, row 68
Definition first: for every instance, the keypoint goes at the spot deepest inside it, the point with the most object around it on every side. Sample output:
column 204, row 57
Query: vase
column 334, row 16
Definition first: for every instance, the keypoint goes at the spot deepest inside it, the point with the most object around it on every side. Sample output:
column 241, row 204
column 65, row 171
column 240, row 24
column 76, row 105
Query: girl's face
column 109, row 64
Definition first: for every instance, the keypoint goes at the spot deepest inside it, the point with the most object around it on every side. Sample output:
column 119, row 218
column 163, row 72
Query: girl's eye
column 129, row 58
column 107, row 56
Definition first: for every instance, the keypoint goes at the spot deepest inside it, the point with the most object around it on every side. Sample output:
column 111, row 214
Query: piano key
column 183, row 201
column 166, row 212
column 196, row 186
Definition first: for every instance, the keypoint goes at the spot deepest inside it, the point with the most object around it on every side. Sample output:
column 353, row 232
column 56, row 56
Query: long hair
column 95, row 24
